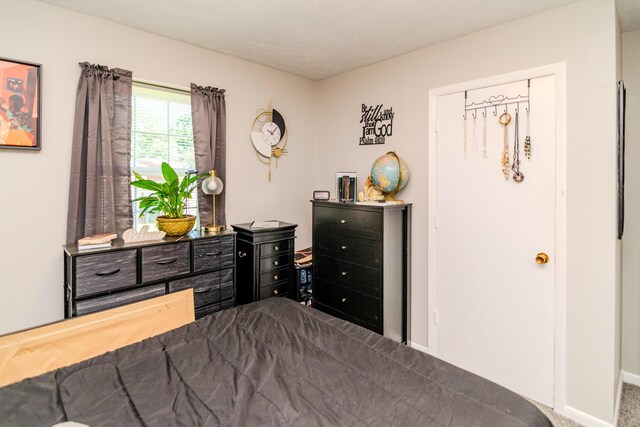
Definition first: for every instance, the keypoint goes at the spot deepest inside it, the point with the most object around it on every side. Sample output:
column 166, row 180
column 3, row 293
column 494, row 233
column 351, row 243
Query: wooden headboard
column 46, row 348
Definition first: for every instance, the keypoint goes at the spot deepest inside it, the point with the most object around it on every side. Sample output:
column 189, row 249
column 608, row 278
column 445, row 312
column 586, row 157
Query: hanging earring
column 527, row 140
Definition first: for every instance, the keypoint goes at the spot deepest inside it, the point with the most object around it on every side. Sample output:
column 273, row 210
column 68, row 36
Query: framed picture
column 20, row 105
column 346, row 186
column 622, row 95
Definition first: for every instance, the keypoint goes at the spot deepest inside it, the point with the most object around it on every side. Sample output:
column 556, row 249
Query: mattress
column 270, row 363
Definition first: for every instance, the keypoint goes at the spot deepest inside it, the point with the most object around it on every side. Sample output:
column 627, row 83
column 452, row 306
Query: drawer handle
column 275, row 292
column 344, row 273
column 275, row 277
column 276, row 248
column 167, row 261
column 213, row 253
column 107, row 273
column 241, row 254
column 275, row 262
column 343, row 247
column 344, row 300
column 201, row 291
column 343, row 221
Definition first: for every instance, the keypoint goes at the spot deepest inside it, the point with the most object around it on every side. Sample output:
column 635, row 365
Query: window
column 161, row 131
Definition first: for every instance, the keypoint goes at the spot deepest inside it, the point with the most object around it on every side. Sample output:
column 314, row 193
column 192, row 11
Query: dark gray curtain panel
column 99, row 190
column 208, row 109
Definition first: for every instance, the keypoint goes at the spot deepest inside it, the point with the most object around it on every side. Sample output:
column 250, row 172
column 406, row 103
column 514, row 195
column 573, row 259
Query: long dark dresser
column 95, row 280
column 361, row 264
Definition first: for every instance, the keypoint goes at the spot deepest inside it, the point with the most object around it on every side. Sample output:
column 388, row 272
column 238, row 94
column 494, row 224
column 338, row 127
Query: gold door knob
column 542, row 258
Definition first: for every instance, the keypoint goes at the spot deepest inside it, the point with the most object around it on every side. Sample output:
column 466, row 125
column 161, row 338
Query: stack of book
column 97, row 241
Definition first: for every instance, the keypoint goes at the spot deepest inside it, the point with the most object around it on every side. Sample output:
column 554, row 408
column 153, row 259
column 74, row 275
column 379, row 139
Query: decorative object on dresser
column 390, row 174
column 321, row 195
column 265, row 261
column 361, row 264
column 96, row 241
column 170, row 198
column 125, row 273
column 213, row 186
column 346, row 184
column 144, row 235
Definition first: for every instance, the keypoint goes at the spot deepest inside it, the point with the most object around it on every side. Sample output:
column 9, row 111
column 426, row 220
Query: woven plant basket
column 176, row 226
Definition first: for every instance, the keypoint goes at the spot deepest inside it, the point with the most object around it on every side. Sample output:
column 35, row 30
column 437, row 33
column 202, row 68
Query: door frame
column 559, row 72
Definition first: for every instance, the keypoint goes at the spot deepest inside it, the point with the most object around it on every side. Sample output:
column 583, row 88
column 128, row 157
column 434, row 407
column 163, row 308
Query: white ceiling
column 319, row 38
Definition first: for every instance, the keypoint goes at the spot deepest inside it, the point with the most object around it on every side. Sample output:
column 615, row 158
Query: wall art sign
column 377, row 124
column 19, row 104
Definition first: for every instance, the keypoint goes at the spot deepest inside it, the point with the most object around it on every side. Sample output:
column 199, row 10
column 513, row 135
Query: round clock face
column 271, row 133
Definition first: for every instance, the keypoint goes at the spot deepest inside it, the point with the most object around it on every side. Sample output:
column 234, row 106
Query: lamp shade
column 212, row 185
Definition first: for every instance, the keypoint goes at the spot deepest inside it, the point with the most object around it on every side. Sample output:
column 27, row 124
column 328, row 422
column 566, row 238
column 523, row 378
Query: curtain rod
column 162, row 85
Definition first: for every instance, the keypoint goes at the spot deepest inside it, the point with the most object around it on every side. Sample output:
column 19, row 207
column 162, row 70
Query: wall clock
column 269, row 136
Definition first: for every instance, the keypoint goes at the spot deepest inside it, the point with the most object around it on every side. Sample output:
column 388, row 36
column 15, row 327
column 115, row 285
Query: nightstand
column 265, row 262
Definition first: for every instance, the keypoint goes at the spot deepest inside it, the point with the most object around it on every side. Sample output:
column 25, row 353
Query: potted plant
column 169, row 198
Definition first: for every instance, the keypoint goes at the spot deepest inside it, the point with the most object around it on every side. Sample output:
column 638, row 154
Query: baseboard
column 419, row 347
column 630, row 378
column 583, row 419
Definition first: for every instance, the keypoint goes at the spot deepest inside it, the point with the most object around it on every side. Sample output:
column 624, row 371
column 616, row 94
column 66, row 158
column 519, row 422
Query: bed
column 269, row 363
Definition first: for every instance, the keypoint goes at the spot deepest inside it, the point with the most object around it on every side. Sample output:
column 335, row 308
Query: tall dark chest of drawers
column 101, row 279
column 265, row 262
column 361, row 264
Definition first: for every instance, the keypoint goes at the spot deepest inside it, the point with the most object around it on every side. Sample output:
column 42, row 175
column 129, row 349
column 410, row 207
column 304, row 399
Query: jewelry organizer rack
column 497, row 101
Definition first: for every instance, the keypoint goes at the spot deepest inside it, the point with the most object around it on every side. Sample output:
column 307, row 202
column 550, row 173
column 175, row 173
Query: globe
column 390, row 173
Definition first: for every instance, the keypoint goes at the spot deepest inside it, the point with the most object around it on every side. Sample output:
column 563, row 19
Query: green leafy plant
column 169, row 197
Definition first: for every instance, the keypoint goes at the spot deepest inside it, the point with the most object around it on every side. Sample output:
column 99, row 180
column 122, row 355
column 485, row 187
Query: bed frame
column 36, row 351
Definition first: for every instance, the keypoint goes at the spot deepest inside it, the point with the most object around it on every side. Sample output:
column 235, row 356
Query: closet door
column 494, row 302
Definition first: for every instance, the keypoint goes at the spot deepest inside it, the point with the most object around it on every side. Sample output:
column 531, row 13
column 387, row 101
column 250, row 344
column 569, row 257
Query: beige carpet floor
column 629, row 415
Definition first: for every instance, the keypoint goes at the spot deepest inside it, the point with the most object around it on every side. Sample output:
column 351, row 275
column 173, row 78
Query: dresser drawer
column 357, row 251
column 207, row 309
column 270, row 277
column 118, row 299
column 105, row 272
column 227, row 290
column 274, row 248
column 272, row 263
column 206, row 288
column 360, row 223
column 159, row 262
column 329, row 310
column 279, row 290
column 354, row 304
column 214, row 253
column 352, row 276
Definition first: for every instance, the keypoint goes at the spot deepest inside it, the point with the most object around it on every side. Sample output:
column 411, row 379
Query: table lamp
column 213, row 185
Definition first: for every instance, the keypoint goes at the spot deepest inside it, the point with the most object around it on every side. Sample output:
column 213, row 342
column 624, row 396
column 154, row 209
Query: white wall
column 583, row 35
column 631, row 239
column 34, row 185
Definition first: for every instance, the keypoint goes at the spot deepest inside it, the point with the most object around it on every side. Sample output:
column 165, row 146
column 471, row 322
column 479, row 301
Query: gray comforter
column 269, row 363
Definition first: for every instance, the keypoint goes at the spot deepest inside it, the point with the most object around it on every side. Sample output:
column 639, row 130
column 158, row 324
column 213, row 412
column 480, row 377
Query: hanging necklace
column 527, row 140
column 484, row 134
column 515, row 167
column 464, row 123
column 475, row 144
column 504, row 120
